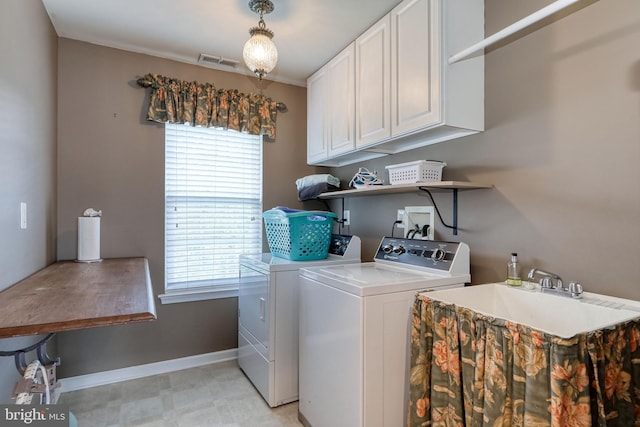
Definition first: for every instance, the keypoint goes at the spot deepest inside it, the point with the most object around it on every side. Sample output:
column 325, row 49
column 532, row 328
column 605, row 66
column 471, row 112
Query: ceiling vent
column 216, row 60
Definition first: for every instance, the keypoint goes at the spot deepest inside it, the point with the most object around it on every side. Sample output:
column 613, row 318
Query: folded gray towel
column 313, row 191
column 317, row 179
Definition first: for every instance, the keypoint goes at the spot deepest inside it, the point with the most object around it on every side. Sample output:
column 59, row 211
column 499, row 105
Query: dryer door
column 253, row 304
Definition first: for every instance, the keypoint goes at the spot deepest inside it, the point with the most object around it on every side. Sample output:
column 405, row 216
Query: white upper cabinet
column 331, row 108
column 373, row 85
column 406, row 94
column 317, row 148
column 342, row 101
column 415, row 65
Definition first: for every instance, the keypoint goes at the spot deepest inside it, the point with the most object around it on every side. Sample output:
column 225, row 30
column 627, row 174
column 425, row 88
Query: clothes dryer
column 268, row 301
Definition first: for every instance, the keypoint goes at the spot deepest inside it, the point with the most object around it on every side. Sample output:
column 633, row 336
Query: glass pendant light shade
column 260, row 53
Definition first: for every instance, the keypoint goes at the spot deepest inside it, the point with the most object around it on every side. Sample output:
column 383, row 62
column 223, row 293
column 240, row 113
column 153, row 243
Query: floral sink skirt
column 472, row 370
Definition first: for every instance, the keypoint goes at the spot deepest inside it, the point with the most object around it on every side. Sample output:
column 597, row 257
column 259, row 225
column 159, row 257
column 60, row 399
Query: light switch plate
column 23, row 216
column 400, row 217
column 346, row 216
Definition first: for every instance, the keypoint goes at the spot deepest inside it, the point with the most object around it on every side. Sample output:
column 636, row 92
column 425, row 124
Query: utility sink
column 560, row 316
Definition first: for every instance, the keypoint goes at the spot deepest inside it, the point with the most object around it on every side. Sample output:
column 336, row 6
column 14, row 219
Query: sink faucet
column 547, row 281
column 546, row 284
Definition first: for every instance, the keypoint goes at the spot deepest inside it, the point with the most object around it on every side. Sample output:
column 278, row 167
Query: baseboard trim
column 116, row 375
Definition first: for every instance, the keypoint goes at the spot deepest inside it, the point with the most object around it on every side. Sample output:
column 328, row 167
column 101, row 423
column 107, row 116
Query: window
column 213, row 209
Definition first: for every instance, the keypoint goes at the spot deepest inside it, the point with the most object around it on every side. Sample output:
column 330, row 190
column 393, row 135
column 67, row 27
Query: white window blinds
column 213, row 205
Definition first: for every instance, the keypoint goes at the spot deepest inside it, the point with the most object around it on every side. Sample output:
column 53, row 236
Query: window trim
column 227, row 288
column 202, row 293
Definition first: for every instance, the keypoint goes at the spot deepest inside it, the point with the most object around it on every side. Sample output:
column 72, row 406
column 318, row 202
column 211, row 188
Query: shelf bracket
column 454, row 227
column 341, row 220
column 455, row 211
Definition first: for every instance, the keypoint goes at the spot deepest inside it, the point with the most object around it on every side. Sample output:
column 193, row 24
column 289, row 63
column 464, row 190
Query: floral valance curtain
column 477, row 371
column 202, row 104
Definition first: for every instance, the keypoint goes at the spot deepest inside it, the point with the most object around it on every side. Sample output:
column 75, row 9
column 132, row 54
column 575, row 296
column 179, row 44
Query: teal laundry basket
column 299, row 235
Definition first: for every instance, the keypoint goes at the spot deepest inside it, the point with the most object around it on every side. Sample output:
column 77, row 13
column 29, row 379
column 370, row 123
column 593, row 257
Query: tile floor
column 217, row 395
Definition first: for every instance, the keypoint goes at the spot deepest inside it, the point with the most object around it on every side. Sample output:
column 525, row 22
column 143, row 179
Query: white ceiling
column 307, row 32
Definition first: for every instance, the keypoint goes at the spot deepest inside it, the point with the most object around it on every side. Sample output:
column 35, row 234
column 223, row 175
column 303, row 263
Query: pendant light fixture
column 260, row 53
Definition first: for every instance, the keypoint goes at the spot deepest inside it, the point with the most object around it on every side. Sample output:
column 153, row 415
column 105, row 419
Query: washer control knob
column 387, row 249
column 438, row 254
column 399, row 249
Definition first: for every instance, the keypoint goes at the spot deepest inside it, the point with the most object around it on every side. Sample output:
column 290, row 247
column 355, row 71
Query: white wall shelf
column 377, row 190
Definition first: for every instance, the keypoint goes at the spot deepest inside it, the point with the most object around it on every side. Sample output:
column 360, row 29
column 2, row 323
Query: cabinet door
column 317, row 101
column 373, row 75
column 342, row 102
column 415, row 66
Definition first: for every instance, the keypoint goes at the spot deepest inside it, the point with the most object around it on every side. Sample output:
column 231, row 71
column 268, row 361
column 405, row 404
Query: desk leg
column 38, row 377
column 41, row 351
column 44, row 358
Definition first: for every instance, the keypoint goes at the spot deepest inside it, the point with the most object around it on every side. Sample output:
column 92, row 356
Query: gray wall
column 561, row 147
column 111, row 158
column 27, row 153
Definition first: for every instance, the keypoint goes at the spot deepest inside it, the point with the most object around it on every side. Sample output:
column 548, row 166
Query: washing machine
column 354, row 331
column 268, row 300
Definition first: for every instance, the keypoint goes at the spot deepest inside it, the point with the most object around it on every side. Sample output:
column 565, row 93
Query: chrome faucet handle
column 575, row 289
column 546, row 283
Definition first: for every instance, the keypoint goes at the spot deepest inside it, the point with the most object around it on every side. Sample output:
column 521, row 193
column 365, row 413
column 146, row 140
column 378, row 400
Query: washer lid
column 373, row 278
column 268, row 262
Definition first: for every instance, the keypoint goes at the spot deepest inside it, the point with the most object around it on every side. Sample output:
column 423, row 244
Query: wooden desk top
column 70, row 295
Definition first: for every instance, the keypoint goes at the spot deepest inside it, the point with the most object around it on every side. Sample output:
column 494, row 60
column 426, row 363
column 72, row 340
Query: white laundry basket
column 418, row 171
